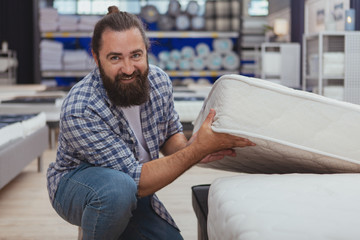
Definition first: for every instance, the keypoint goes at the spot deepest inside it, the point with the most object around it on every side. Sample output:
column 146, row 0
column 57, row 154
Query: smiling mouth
column 127, row 79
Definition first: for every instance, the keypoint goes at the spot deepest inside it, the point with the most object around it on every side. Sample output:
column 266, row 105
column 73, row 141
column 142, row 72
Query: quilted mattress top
column 285, row 206
column 295, row 131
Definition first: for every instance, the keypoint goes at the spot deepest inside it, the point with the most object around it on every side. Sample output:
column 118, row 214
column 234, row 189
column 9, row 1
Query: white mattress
column 283, row 207
column 31, row 125
column 295, row 131
column 10, row 132
column 21, row 129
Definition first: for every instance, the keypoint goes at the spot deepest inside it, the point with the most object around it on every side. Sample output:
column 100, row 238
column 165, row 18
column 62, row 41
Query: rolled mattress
column 294, row 131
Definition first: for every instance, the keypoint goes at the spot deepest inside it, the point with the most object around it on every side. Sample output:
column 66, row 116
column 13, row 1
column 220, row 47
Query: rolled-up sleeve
column 174, row 125
column 90, row 139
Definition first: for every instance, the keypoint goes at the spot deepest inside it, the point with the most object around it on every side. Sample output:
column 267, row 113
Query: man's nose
column 128, row 67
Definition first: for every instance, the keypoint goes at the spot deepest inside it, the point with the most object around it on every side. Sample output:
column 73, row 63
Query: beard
column 127, row 94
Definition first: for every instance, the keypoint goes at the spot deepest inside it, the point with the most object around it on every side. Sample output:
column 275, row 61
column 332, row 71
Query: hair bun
column 113, row 9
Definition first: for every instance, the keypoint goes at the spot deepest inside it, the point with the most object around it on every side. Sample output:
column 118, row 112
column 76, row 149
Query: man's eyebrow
column 137, row 51
column 120, row 54
column 113, row 54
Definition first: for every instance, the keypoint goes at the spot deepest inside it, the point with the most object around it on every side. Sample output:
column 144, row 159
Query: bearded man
column 113, row 125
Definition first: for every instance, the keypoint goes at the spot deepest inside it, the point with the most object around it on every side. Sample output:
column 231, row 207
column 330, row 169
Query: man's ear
column 95, row 58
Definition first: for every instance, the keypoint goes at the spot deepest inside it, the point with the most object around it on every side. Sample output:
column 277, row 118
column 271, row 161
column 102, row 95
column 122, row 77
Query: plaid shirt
column 93, row 130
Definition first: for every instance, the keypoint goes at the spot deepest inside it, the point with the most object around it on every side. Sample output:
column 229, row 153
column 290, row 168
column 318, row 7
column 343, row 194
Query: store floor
column 26, row 213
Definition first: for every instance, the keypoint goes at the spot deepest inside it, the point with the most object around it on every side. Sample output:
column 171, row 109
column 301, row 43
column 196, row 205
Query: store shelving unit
column 150, row 34
column 281, row 63
column 332, row 59
column 252, row 36
column 64, row 73
column 172, row 39
column 8, row 67
column 57, row 36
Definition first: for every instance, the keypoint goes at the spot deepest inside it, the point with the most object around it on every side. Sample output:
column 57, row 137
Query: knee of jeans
column 119, row 193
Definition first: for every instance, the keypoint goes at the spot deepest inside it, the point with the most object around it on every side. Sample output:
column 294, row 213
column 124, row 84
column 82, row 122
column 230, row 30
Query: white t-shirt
column 133, row 116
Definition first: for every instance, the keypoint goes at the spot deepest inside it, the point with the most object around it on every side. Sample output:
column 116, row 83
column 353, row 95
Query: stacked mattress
column 298, row 135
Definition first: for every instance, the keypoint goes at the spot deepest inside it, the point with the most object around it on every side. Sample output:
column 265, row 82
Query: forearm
column 175, row 143
column 158, row 173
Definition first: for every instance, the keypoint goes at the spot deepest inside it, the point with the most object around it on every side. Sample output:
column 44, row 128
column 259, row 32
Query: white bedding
column 33, row 124
column 283, row 207
column 10, row 132
column 295, row 131
column 21, row 129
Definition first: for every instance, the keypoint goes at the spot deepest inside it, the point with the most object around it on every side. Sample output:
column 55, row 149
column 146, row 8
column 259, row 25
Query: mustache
column 124, row 75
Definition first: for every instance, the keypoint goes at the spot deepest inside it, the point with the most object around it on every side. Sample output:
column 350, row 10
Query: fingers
column 212, row 141
column 210, row 117
column 246, row 142
column 226, row 152
column 211, row 158
column 219, row 155
column 235, row 141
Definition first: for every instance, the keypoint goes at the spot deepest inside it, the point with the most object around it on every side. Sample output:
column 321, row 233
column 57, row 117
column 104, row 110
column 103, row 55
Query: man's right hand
column 216, row 145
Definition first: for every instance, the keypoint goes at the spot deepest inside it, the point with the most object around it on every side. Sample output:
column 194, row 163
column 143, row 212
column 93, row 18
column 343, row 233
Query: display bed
column 294, row 131
column 200, row 205
column 23, row 137
column 282, row 207
column 47, row 102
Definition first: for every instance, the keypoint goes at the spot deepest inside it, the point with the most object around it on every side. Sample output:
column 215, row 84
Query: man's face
column 124, row 67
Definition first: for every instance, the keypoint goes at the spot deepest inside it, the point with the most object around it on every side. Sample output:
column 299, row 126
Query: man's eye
column 136, row 55
column 114, row 58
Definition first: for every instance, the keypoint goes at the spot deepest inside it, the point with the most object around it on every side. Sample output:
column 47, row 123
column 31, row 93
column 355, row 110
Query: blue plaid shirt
column 95, row 131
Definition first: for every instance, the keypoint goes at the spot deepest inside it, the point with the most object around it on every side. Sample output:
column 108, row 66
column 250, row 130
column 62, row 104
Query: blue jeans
column 103, row 202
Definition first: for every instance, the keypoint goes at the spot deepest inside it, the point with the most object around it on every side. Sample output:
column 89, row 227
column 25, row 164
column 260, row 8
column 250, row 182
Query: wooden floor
column 26, row 213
